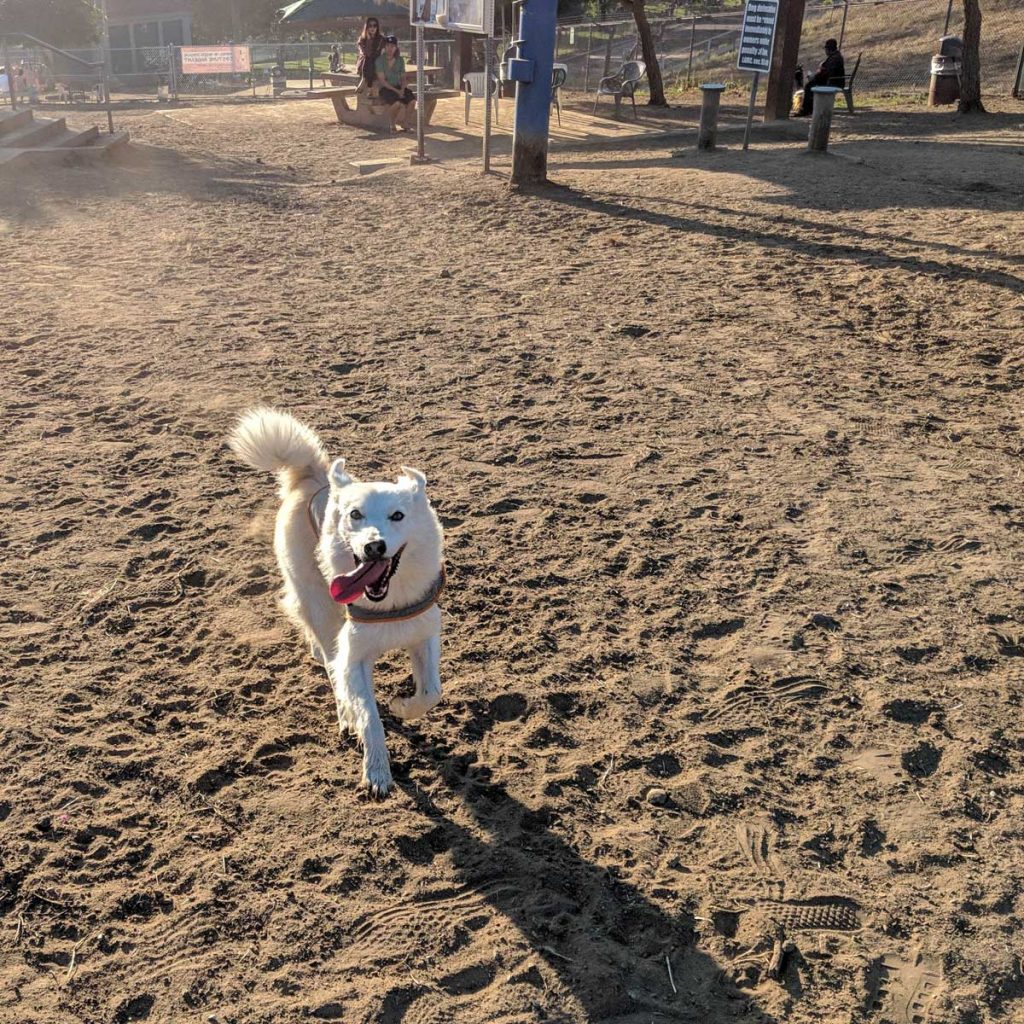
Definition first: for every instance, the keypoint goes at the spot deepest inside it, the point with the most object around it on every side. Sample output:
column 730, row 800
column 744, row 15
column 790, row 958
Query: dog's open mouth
column 369, row 579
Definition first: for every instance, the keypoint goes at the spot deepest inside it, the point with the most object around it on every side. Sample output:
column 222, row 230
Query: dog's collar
column 410, row 611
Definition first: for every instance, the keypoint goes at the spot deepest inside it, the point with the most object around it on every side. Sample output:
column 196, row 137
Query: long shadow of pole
column 603, row 938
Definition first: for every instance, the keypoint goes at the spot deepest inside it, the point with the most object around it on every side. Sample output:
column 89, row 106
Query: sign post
column 757, row 38
column 458, row 16
column 421, row 89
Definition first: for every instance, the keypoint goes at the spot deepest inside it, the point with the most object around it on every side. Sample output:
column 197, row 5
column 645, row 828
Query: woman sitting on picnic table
column 371, row 46
column 391, row 79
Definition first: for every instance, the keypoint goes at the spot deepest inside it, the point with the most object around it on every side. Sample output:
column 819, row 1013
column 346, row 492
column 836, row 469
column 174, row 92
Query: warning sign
column 215, row 60
column 758, row 35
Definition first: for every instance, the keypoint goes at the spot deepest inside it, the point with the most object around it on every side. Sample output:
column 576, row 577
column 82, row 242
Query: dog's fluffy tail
column 276, row 442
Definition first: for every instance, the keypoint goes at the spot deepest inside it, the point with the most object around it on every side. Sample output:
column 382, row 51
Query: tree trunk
column 643, row 28
column 970, row 68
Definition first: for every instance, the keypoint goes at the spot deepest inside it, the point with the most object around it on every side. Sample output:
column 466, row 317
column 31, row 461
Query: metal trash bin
column 951, row 46
column 945, row 82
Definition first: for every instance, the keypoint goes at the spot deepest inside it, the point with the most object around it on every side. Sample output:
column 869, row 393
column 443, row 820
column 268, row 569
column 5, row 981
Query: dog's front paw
column 377, row 775
column 408, row 708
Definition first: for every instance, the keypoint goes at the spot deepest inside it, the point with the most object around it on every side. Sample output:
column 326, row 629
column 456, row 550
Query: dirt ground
column 728, row 452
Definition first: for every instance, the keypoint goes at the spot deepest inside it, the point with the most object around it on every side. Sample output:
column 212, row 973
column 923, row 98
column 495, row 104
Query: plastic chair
column 558, row 76
column 474, row 83
column 623, row 83
column 847, row 85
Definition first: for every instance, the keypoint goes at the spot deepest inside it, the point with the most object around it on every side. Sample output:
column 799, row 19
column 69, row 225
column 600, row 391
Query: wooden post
column 821, row 118
column 711, row 95
column 689, row 63
column 462, row 62
column 586, row 73
column 779, row 98
column 608, row 52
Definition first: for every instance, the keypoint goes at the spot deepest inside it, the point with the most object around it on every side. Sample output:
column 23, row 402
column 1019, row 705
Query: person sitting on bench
column 831, row 71
column 335, row 61
column 391, row 80
column 371, row 46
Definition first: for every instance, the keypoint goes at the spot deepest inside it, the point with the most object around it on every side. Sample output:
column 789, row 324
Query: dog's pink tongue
column 348, row 588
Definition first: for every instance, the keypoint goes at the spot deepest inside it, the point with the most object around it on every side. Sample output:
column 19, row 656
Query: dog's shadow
column 617, row 955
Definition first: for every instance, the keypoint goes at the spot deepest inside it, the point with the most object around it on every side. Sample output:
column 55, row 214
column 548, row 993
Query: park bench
column 369, row 111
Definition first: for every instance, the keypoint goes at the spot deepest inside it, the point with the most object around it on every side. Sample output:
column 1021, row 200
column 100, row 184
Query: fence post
column 309, row 57
column 172, row 64
column 608, row 51
column 106, row 96
column 693, row 37
column 842, row 30
column 586, row 71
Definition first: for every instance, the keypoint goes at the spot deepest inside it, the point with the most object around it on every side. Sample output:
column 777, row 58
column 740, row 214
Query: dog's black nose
column 375, row 549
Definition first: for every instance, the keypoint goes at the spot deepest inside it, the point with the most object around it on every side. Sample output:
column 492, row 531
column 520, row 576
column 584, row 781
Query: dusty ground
column 728, row 450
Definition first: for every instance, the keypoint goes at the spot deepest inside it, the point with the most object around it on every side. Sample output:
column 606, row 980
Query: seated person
column 335, row 64
column 831, row 71
column 391, row 80
column 371, row 46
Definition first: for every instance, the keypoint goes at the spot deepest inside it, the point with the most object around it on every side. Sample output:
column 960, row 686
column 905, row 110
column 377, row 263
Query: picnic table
column 369, row 111
column 351, row 78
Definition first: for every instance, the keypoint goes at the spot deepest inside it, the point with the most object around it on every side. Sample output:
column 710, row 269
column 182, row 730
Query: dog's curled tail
column 276, row 442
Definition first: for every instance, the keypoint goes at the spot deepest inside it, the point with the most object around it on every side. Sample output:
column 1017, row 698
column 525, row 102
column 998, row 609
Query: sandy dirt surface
column 728, row 452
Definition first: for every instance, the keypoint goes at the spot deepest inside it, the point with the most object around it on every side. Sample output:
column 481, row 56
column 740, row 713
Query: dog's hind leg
column 426, row 673
column 354, row 693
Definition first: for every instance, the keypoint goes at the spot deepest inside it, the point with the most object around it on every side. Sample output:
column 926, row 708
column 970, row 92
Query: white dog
column 362, row 566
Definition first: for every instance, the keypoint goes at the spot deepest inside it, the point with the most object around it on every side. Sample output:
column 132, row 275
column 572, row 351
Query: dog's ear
column 337, row 475
column 416, row 481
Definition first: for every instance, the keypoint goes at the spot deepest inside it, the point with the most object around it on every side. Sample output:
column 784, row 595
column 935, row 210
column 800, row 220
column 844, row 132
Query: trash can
column 278, row 79
column 951, row 46
column 945, row 83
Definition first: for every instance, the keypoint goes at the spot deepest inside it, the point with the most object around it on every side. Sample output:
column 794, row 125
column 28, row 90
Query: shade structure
column 307, row 13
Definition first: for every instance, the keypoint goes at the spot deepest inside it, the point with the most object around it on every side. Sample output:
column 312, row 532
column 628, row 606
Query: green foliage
column 234, row 20
column 61, row 22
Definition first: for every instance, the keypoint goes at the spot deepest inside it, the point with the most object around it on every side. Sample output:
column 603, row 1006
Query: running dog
column 363, row 567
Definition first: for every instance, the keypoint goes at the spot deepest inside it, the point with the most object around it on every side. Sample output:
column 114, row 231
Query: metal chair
column 623, row 83
column 558, row 76
column 474, row 83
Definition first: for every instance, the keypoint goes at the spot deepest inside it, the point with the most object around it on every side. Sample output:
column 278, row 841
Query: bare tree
column 970, row 68
column 638, row 9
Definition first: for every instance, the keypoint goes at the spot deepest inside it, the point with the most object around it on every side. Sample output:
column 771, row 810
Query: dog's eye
column 396, row 517
column 355, row 514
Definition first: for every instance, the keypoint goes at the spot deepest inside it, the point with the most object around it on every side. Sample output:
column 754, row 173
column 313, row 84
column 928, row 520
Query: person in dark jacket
column 371, row 46
column 831, row 71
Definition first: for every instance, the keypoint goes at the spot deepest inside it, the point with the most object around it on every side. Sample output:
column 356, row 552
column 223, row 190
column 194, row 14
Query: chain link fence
column 895, row 39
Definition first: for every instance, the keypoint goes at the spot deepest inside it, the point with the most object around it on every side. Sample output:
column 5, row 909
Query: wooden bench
column 369, row 111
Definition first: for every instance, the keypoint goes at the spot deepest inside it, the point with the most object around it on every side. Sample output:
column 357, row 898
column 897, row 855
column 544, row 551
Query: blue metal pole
column 531, row 70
